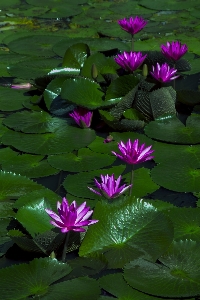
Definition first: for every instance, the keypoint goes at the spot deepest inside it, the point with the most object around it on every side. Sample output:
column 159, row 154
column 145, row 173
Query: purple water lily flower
column 109, row 187
column 71, row 217
column 174, row 50
column 132, row 25
column 130, row 61
column 133, row 153
column 164, row 73
column 82, row 117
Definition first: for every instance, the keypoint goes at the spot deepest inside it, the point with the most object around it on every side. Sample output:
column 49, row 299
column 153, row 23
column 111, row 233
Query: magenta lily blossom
column 110, row 187
column 133, row 153
column 163, row 73
column 130, row 61
column 174, row 50
column 132, row 25
column 82, row 117
column 71, row 217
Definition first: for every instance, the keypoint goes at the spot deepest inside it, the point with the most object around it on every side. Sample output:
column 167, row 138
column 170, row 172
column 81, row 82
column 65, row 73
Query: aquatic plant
column 136, row 238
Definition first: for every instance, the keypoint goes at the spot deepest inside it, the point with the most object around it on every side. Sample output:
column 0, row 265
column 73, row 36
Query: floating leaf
column 172, row 130
column 76, row 55
column 133, row 228
column 52, row 92
column 83, row 92
column 14, row 186
column 33, row 279
column 33, row 122
column 85, row 160
column 117, row 286
column 88, row 288
column 34, row 217
column 38, row 45
column 31, row 69
column 50, row 143
column 11, row 99
column 38, row 195
column 166, row 5
column 95, row 44
column 186, row 223
column 177, row 275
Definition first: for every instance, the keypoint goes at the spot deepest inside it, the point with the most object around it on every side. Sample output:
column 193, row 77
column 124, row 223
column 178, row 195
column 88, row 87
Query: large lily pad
column 168, row 5
column 33, row 166
column 14, row 186
column 62, row 140
column 86, row 93
column 172, row 130
column 30, row 69
column 176, row 276
column 11, row 99
column 26, row 280
column 34, row 218
column 95, row 44
column 35, row 45
column 134, row 228
column 85, row 160
column 33, row 122
column 117, row 286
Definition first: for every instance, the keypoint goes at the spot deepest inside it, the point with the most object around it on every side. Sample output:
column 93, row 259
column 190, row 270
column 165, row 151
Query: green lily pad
column 134, row 228
column 168, row 5
column 6, row 210
column 34, row 218
column 25, row 280
column 117, row 286
column 179, row 154
column 50, row 143
column 95, row 44
column 121, row 86
column 142, row 182
column 86, row 93
column 7, row 4
column 172, row 130
column 85, row 160
column 6, row 154
column 35, row 45
column 11, row 99
column 76, row 55
column 88, row 288
column 186, row 223
column 37, row 195
column 33, row 122
column 30, row 69
column 176, row 276
column 99, row 146
column 14, row 186
column 103, row 65
column 33, row 166
column 177, row 176
column 52, row 91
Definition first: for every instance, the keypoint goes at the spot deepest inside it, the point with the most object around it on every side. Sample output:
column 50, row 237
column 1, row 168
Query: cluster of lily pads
column 138, row 248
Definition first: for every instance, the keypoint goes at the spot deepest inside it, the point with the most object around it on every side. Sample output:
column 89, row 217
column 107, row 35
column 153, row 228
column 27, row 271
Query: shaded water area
column 57, row 56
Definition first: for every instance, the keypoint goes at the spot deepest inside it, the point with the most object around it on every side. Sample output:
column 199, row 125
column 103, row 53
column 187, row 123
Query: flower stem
column 174, row 79
column 65, row 247
column 132, row 173
column 132, row 43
